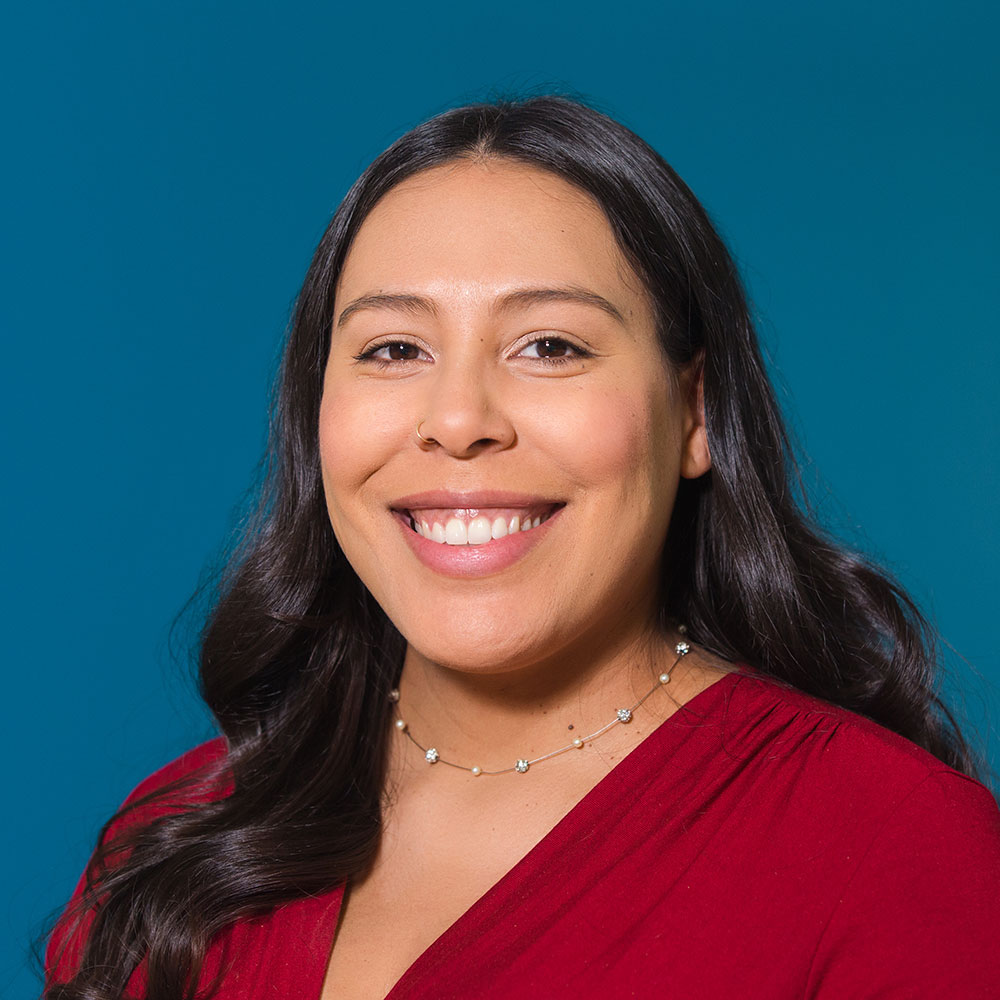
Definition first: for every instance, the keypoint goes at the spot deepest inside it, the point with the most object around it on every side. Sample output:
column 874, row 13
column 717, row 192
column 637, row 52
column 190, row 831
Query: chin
column 475, row 647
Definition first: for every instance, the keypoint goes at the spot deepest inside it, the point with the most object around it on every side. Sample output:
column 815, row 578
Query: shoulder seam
column 862, row 724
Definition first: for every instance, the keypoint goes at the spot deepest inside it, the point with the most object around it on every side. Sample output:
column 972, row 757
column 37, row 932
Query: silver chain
column 622, row 717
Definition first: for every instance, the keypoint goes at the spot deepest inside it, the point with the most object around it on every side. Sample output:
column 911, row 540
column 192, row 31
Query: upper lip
column 471, row 500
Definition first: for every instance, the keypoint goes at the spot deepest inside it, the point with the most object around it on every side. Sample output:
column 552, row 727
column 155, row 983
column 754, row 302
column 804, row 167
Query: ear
column 695, row 457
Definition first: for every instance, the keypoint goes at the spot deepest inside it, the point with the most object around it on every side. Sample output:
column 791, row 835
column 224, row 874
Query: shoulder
column 197, row 776
column 910, row 847
column 198, row 762
column 892, row 858
column 839, row 756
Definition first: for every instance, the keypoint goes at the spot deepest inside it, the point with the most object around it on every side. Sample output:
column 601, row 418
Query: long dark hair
column 297, row 659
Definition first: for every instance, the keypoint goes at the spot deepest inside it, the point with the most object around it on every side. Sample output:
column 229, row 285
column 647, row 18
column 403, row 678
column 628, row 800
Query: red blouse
column 759, row 843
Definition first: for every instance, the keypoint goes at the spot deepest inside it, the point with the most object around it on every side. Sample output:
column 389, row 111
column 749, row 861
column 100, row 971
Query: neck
column 492, row 719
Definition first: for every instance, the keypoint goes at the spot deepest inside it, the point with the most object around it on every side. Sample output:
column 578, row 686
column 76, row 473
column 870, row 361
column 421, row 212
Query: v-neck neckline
column 668, row 732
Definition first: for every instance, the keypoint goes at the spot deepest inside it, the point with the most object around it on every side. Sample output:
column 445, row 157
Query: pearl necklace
column 622, row 717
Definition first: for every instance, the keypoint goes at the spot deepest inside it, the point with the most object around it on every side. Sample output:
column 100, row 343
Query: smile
column 471, row 526
column 469, row 535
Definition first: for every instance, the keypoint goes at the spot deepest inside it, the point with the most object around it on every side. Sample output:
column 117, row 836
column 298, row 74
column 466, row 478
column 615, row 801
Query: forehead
column 477, row 227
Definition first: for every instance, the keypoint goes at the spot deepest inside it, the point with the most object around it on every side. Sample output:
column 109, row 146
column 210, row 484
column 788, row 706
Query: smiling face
column 488, row 303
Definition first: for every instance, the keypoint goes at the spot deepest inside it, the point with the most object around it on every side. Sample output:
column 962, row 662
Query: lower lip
column 471, row 561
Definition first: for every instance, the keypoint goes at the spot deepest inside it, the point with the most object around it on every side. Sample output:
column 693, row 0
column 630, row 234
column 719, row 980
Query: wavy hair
column 297, row 658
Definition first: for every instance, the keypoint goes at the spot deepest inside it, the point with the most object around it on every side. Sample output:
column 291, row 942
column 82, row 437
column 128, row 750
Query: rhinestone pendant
column 431, row 756
column 394, row 694
column 624, row 715
column 521, row 766
column 682, row 648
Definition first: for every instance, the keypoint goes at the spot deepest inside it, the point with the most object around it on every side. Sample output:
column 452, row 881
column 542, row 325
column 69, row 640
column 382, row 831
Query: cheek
column 354, row 440
column 623, row 436
column 334, row 446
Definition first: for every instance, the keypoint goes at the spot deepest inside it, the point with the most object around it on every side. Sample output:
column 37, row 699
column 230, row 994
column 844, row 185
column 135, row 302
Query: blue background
column 168, row 170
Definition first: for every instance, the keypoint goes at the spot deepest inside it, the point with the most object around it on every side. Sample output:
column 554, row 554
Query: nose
column 464, row 412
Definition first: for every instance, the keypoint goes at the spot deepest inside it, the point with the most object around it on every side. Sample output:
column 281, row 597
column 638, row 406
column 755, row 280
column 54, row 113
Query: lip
column 469, row 500
column 471, row 561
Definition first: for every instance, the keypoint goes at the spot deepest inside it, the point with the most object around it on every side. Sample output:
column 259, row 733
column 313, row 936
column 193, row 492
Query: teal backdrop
column 168, row 169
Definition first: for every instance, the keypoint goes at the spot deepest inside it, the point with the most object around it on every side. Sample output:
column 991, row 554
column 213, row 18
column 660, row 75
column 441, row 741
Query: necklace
column 622, row 717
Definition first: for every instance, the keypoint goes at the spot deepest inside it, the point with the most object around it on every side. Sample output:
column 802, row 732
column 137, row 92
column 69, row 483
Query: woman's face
column 488, row 303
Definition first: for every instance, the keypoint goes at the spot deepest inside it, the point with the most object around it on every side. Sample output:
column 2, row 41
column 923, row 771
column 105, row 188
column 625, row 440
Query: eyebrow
column 519, row 298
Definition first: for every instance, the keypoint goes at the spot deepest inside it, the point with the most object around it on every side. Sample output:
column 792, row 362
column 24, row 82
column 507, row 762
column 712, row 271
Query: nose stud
column 422, row 438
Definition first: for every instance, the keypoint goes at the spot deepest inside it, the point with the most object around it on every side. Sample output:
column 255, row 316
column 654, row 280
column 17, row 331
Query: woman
column 532, row 647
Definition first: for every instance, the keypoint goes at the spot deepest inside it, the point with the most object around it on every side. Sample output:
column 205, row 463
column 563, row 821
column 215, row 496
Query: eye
column 391, row 350
column 553, row 349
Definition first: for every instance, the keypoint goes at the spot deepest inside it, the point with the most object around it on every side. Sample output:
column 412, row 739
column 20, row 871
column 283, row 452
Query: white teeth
column 455, row 532
column 480, row 531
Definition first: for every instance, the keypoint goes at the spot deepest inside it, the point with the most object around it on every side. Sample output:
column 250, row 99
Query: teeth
column 479, row 531
column 455, row 532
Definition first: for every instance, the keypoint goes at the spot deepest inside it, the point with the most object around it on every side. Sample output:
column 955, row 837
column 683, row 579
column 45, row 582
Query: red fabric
column 760, row 843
